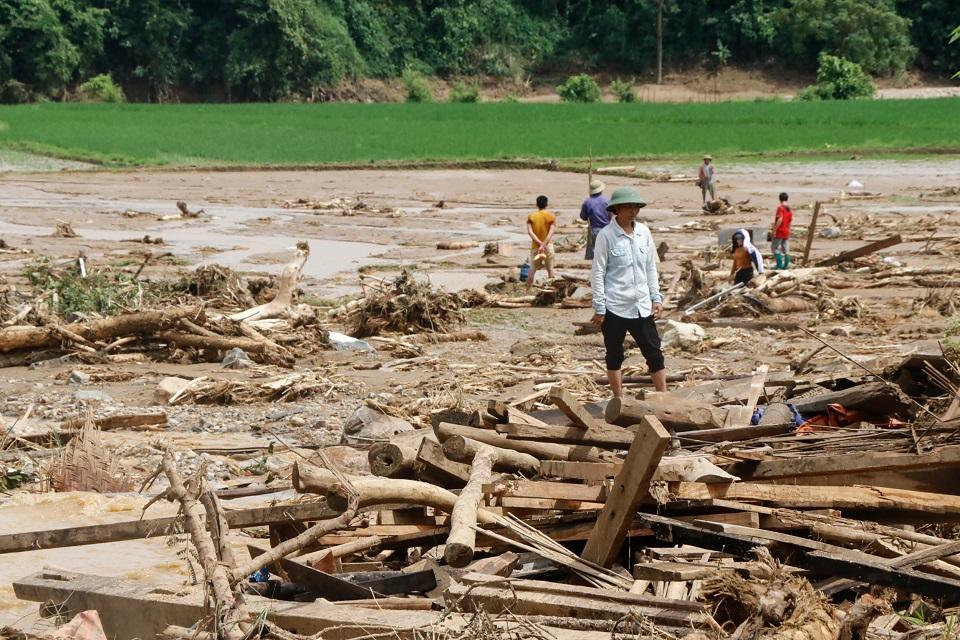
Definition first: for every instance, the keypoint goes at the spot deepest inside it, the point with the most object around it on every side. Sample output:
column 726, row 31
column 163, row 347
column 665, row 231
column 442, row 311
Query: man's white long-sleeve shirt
column 624, row 277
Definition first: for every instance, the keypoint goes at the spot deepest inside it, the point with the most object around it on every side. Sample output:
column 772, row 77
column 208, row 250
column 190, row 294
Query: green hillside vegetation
column 263, row 50
column 316, row 134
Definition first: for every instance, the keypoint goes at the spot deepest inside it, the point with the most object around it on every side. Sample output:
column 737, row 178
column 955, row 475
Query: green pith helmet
column 626, row 195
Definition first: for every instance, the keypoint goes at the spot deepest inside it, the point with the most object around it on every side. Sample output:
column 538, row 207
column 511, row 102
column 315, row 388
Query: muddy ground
column 246, row 227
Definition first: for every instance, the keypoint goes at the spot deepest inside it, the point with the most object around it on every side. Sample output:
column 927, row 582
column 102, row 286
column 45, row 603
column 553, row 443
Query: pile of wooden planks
column 582, row 516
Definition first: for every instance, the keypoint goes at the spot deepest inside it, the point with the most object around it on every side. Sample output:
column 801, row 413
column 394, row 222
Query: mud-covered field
column 251, row 222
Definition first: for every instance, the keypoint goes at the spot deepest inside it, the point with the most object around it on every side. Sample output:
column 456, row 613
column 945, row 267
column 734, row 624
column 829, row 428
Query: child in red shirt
column 781, row 233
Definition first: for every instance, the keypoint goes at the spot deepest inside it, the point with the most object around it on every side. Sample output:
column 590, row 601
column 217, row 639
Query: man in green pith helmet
column 626, row 289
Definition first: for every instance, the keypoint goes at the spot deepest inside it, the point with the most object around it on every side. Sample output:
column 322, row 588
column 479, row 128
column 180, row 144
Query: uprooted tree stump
column 282, row 304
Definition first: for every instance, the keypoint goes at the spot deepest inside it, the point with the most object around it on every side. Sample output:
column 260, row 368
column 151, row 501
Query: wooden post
column 629, row 488
column 812, row 229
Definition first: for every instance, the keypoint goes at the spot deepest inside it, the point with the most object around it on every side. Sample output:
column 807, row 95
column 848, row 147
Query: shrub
column 623, row 90
column 579, row 88
column 838, row 79
column 511, row 98
column 101, row 88
column 463, row 92
column 418, row 89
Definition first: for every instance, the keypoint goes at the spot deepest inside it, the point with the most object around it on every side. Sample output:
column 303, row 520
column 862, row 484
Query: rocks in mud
column 236, row 358
column 168, row 388
column 92, row 396
column 684, row 335
column 367, row 424
column 79, row 377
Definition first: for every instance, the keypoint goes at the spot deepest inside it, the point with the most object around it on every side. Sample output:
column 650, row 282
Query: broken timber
column 629, row 488
column 137, row 529
column 865, row 250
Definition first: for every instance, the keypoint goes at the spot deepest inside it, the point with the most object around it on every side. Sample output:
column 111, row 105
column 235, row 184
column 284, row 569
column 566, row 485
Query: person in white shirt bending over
column 626, row 289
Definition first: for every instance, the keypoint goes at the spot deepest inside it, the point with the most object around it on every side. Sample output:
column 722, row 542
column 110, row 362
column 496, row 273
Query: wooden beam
column 843, row 464
column 565, row 401
column 319, row 582
column 859, row 252
column 677, row 414
column 137, row 529
column 876, row 572
column 433, row 465
column 816, row 497
column 735, row 434
column 603, row 437
column 629, row 488
column 591, row 472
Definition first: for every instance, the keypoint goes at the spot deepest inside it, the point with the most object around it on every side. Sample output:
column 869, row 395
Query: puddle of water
column 30, row 512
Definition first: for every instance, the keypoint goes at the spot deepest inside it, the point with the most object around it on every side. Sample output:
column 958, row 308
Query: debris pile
column 766, row 507
column 404, row 305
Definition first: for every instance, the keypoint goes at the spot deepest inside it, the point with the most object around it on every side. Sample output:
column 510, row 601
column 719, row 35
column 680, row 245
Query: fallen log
column 463, row 449
column 142, row 323
column 397, row 458
column 859, row 252
column 677, row 414
column 459, row 550
column 218, row 343
column 875, row 399
column 539, row 450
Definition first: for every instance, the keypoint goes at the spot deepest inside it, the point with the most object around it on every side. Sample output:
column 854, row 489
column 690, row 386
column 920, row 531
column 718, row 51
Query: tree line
column 161, row 50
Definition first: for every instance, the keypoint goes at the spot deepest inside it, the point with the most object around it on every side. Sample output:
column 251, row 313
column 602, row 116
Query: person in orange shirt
column 540, row 227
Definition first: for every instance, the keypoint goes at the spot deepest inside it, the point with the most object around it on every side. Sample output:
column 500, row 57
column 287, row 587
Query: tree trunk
column 462, row 540
column 677, row 414
column 142, row 323
column 397, row 458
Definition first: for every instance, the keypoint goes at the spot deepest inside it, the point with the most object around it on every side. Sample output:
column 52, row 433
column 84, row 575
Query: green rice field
column 359, row 134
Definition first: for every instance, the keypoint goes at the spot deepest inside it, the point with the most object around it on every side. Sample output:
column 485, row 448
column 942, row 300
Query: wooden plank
column 678, row 532
column 319, row 582
column 629, row 488
column 585, row 471
column 859, row 252
column 843, row 464
column 675, row 571
column 395, row 582
column 734, row 434
column 625, row 597
column 546, row 489
column 876, row 572
column 146, row 528
column 565, row 401
column 554, row 504
column 832, row 497
column 433, row 465
column 741, row 416
column 601, row 437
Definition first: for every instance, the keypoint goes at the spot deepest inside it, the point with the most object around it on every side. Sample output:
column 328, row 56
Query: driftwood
column 229, row 607
column 462, row 449
column 140, row 323
column 459, row 549
column 677, row 414
column 282, row 304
